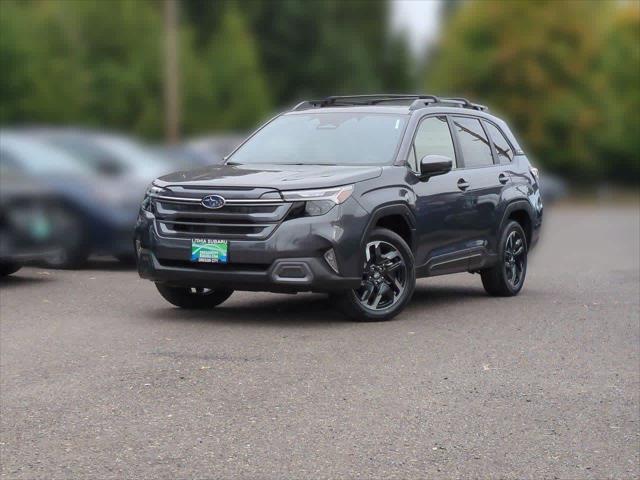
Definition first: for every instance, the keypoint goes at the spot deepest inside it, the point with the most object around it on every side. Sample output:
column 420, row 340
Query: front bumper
column 283, row 275
column 288, row 260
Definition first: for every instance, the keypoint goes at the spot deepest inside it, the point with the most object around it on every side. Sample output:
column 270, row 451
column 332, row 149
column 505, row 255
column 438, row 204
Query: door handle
column 463, row 184
column 503, row 178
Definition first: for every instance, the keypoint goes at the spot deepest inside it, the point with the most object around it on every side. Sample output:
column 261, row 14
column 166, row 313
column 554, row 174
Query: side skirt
column 470, row 260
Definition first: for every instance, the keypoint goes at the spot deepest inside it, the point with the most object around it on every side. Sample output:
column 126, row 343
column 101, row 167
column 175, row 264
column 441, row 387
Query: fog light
column 330, row 257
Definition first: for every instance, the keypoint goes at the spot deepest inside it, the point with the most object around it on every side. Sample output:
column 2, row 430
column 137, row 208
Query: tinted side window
column 476, row 151
column 503, row 149
column 433, row 138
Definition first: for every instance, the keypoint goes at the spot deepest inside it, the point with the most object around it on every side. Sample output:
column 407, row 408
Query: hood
column 279, row 177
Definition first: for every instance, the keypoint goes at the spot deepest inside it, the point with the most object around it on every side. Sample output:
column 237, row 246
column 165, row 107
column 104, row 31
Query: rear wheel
column 388, row 279
column 193, row 297
column 506, row 278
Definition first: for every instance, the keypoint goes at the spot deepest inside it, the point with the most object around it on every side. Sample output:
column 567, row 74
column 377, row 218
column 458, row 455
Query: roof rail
column 456, row 101
column 418, row 101
column 354, row 100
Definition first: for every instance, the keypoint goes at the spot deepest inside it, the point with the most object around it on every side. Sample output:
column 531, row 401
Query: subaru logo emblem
column 213, row 202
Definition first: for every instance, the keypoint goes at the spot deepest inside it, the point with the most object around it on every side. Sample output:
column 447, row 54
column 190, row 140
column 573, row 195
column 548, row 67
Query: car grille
column 242, row 217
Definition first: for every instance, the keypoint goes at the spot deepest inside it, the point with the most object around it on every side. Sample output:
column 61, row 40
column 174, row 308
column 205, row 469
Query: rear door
column 482, row 179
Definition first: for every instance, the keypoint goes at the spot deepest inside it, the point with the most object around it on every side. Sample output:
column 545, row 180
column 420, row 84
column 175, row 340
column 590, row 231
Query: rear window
column 476, row 151
column 502, row 146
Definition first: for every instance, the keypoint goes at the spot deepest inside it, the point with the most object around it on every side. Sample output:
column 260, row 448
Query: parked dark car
column 353, row 196
column 31, row 223
column 100, row 212
column 108, row 154
column 213, row 149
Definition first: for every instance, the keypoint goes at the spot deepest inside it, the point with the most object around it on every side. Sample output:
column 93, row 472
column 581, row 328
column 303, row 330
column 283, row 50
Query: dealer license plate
column 206, row 250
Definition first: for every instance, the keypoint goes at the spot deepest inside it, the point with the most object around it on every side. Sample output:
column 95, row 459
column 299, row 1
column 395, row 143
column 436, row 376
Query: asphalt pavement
column 101, row 378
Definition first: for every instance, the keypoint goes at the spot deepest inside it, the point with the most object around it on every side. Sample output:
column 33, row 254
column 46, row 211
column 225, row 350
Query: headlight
column 155, row 190
column 152, row 190
column 319, row 202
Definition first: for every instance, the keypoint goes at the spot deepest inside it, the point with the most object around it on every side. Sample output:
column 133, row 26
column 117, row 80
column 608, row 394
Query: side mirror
column 433, row 165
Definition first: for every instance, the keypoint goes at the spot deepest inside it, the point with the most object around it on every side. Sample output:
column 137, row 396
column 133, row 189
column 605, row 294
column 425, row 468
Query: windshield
column 344, row 138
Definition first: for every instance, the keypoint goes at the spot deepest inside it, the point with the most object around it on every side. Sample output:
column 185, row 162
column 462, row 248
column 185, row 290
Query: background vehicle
column 99, row 211
column 109, row 155
column 31, row 222
column 213, row 148
column 355, row 196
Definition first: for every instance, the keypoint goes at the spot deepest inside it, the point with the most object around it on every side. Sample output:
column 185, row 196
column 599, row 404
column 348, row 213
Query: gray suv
column 353, row 196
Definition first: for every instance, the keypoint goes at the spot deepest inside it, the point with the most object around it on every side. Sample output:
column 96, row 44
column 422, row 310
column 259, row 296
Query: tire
column 498, row 280
column 388, row 280
column 70, row 257
column 75, row 247
column 8, row 268
column 193, row 298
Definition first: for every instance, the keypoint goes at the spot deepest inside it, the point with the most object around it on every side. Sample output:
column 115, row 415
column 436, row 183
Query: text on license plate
column 206, row 250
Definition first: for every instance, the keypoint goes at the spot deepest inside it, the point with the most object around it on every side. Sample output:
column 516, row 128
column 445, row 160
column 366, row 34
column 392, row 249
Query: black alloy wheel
column 514, row 259
column 384, row 278
column 388, row 279
column 506, row 277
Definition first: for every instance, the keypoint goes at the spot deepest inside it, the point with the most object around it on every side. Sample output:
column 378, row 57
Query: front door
column 440, row 203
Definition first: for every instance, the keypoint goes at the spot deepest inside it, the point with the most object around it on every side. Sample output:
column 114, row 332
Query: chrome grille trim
column 214, row 224
column 248, row 202
column 184, row 217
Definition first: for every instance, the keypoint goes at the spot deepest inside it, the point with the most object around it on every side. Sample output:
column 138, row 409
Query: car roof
column 407, row 110
column 390, row 109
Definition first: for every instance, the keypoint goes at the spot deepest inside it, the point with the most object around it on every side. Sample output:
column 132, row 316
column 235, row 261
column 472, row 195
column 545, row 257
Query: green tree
column 314, row 48
column 542, row 71
column 85, row 62
column 621, row 67
column 40, row 80
column 227, row 89
column 121, row 49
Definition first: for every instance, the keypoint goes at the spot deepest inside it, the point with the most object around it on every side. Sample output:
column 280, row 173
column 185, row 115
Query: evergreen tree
column 541, row 71
column 231, row 93
column 620, row 140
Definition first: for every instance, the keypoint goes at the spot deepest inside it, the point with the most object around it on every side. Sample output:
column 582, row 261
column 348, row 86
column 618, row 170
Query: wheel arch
column 398, row 218
column 519, row 211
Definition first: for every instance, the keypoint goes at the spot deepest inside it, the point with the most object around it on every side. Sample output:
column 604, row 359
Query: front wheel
column 74, row 248
column 388, row 279
column 506, row 278
column 193, row 297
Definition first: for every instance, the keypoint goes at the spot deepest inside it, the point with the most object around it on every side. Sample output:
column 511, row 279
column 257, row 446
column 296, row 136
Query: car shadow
column 97, row 263
column 16, row 280
column 429, row 295
column 307, row 309
column 285, row 310
column 109, row 264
